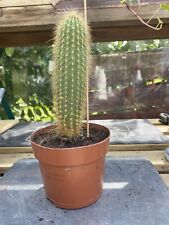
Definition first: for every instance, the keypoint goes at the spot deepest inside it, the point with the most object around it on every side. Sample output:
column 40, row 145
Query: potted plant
column 71, row 162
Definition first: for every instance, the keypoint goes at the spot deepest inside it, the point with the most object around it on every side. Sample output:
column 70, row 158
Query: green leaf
column 165, row 6
column 9, row 51
column 30, row 112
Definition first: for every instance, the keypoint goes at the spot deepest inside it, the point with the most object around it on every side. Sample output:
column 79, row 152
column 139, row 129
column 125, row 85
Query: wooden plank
column 5, row 165
column 25, row 39
column 155, row 121
column 138, row 147
column 165, row 178
column 21, row 18
column 114, row 148
column 29, row 38
column 157, row 158
column 162, row 127
column 15, row 150
column 79, row 4
column 124, row 32
column 25, row 18
column 7, row 160
column 65, row 4
column 16, row 3
column 7, row 124
column 34, row 24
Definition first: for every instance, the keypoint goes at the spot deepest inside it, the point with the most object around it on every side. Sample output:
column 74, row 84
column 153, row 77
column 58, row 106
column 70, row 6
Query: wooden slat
column 29, row 38
column 15, row 150
column 162, row 127
column 155, row 121
column 108, row 23
column 138, row 147
column 20, row 18
column 16, row 3
column 157, row 158
column 119, row 147
column 78, row 4
column 25, row 38
column 124, row 32
column 165, row 178
column 65, row 4
column 7, row 160
column 25, row 19
column 7, row 124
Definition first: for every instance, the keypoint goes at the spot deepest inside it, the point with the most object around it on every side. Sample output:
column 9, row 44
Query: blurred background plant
column 27, row 82
column 25, row 75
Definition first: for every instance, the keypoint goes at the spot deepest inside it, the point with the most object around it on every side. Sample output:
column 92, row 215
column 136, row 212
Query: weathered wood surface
column 157, row 158
column 7, row 124
column 162, row 127
column 17, row 3
column 165, row 178
column 115, row 148
column 62, row 4
column 30, row 38
column 31, row 17
column 108, row 21
column 38, row 15
column 7, row 160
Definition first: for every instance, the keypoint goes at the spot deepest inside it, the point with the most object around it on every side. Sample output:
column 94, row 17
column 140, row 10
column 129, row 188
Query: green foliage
column 34, row 110
column 9, row 51
column 26, row 74
column 70, row 54
column 128, row 46
column 33, row 62
column 165, row 6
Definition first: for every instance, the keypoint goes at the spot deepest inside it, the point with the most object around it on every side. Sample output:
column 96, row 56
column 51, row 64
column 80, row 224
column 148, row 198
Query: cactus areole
column 71, row 52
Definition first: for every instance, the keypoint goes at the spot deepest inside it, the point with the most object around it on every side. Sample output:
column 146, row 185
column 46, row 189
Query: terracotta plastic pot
column 72, row 176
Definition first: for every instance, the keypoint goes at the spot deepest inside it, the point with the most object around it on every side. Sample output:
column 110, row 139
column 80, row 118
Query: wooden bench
column 153, row 152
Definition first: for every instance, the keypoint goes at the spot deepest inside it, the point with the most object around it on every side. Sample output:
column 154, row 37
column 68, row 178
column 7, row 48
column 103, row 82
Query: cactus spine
column 71, row 51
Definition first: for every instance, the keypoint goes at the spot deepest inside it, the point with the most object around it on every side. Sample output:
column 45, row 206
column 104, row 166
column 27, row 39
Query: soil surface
column 52, row 141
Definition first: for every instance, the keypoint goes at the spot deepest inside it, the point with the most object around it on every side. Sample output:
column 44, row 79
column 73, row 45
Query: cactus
column 71, row 51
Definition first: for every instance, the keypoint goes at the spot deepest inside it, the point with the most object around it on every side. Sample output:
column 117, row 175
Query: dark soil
column 52, row 141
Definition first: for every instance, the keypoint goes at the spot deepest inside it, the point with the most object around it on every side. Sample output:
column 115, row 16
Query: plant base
column 72, row 176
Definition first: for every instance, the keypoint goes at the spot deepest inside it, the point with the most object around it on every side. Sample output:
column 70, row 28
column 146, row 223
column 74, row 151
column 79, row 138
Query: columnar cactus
column 71, row 51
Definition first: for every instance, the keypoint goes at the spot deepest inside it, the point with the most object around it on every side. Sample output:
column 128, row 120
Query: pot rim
column 71, row 148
